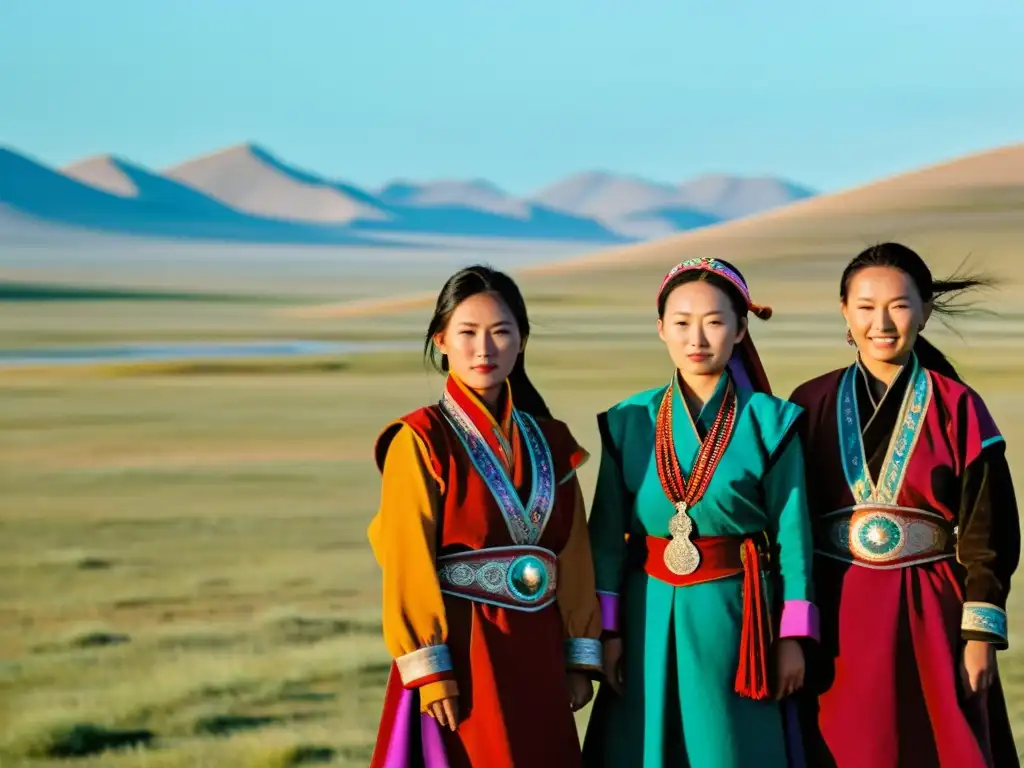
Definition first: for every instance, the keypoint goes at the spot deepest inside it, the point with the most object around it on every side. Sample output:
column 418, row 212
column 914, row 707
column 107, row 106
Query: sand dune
column 971, row 191
column 250, row 179
column 973, row 205
column 103, row 172
column 244, row 192
column 478, row 208
column 125, row 179
column 478, row 194
column 612, row 197
column 664, row 221
column 147, row 205
column 643, row 209
column 731, row 197
column 214, row 198
column 605, row 196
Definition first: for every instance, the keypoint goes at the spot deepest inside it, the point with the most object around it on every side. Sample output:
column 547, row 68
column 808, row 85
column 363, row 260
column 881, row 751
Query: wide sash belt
column 720, row 558
column 884, row 537
column 522, row 578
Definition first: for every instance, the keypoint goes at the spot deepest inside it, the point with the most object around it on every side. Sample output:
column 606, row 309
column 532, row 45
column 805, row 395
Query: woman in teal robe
column 698, row 663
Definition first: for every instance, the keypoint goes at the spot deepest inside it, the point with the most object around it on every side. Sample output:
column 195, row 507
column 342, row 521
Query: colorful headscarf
column 720, row 268
column 745, row 364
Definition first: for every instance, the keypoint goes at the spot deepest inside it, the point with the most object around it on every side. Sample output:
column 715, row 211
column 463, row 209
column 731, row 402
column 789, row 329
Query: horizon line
column 422, row 181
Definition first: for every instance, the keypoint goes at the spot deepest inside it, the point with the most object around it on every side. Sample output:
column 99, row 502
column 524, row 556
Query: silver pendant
column 681, row 555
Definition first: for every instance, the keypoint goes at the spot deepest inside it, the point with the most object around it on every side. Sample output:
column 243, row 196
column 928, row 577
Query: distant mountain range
column 245, row 193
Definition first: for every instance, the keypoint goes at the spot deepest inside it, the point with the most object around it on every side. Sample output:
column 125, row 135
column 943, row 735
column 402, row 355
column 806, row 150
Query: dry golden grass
column 184, row 573
column 184, row 560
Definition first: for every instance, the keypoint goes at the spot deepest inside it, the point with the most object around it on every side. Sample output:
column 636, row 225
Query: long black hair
column 942, row 294
column 468, row 282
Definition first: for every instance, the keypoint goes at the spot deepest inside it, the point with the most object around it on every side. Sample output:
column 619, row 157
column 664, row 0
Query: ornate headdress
column 745, row 364
column 720, row 268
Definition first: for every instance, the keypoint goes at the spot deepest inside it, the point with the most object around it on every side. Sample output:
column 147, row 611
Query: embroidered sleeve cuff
column 800, row 619
column 583, row 654
column 984, row 621
column 609, row 611
column 426, row 665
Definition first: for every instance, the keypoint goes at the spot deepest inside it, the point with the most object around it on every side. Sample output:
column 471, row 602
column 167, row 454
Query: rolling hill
column 970, row 208
column 477, row 194
column 119, row 177
column 974, row 191
column 964, row 214
column 612, row 198
column 142, row 204
column 246, row 193
column 250, row 179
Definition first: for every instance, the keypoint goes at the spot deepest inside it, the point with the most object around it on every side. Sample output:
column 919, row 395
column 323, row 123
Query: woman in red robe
column 916, row 535
column 489, row 605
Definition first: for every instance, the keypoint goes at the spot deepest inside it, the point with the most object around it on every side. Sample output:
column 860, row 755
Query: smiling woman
column 916, row 526
column 489, row 607
column 888, row 296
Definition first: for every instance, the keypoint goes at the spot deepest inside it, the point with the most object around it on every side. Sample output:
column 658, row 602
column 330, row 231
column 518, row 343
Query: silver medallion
column 681, row 555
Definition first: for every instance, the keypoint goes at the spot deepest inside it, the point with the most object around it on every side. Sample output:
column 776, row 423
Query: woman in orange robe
column 489, row 603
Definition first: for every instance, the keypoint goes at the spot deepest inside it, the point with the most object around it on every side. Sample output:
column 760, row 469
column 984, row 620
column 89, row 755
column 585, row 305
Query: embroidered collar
column 909, row 425
column 466, row 415
column 498, row 434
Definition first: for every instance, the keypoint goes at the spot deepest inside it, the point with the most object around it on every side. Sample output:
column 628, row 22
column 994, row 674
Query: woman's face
column 700, row 328
column 482, row 342
column 885, row 313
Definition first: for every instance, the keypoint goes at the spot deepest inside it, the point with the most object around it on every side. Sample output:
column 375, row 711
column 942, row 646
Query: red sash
column 718, row 555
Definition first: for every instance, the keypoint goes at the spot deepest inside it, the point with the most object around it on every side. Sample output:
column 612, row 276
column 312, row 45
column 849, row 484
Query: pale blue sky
column 828, row 93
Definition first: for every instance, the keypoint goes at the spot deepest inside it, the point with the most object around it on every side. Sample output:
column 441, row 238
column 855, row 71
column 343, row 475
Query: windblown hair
column 942, row 294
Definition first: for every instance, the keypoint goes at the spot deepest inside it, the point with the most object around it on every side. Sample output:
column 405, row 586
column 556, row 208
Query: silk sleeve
column 609, row 521
column 988, row 544
column 786, row 502
column 403, row 536
column 577, row 598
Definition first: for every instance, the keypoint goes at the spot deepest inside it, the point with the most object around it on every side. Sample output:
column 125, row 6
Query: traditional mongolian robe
column 488, row 586
column 917, row 536
column 697, row 648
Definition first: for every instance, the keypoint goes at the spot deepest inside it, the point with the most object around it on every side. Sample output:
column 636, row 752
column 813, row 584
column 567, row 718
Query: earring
column 849, row 338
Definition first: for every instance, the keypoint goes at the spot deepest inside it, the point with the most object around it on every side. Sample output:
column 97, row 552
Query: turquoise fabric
column 682, row 644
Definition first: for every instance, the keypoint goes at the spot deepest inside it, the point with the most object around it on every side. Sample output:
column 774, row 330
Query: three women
column 702, row 542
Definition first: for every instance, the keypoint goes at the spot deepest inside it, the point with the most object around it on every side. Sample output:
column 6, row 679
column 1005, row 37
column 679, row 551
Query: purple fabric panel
column 433, row 746
column 609, row 611
column 398, row 748
column 800, row 619
column 739, row 371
